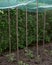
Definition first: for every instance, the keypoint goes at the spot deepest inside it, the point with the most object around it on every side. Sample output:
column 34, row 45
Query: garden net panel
column 42, row 5
column 30, row 4
column 13, row 3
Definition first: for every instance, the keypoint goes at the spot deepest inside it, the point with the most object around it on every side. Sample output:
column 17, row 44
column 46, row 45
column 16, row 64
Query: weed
column 22, row 63
column 38, row 59
column 11, row 57
column 29, row 53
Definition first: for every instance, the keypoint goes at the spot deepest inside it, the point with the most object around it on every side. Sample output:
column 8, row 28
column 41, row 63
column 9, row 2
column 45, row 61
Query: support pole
column 17, row 34
column 44, row 26
column 37, row 26
column 26, row 31
column 9, row 31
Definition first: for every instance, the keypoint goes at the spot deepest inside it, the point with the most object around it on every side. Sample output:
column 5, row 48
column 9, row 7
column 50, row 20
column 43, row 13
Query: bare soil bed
column 44, row 57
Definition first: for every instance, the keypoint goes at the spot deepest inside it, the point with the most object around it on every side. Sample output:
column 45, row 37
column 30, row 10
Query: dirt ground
column 44, row 57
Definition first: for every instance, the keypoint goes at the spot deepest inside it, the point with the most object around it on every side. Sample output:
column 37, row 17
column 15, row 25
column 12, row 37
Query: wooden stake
column 17, row 34
column 44, row 29
column 37, row 25
column 26, row 31
column 9, row 31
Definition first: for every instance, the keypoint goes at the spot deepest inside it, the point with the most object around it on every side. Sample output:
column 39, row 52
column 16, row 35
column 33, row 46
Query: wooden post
column 37, row 25
column 44, row 29
column 9, row 31
column 26, row 31
column 17, row 34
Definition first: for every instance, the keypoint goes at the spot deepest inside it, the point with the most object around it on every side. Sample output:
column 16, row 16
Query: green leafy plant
column 38, row 59
column 22, row 63
column 11, row 57
column 1, row 11
column 29, row 53
column 4, row 42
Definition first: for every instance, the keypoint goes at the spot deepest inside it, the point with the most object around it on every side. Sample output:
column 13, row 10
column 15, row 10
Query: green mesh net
column 29, row 4
column 13, row 3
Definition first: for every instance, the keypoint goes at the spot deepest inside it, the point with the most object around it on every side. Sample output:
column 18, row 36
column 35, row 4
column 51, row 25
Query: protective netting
column 30, row 4
column 13, row 3
column 42, row 5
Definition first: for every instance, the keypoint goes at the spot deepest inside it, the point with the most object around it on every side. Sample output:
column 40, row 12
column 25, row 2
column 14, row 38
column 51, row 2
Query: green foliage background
column 4, row 33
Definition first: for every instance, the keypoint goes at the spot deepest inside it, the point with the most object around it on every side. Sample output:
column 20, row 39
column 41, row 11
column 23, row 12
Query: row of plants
column 4, row 28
